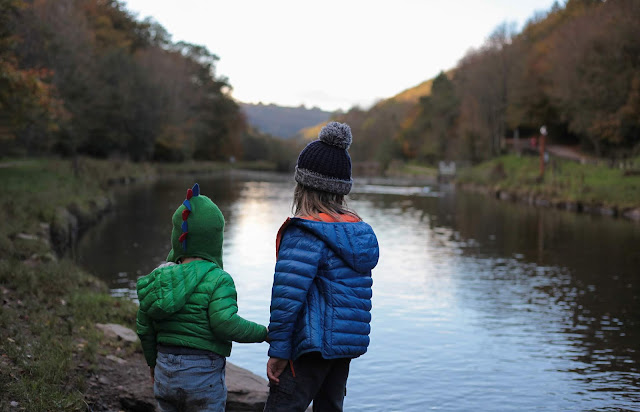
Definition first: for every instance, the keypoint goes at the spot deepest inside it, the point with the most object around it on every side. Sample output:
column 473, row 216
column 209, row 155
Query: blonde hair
column 312, row 202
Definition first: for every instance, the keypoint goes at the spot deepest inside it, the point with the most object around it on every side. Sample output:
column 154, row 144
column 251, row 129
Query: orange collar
column 324, row 217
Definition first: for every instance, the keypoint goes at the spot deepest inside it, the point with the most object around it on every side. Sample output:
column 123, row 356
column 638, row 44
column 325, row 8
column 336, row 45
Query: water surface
column 478, row 304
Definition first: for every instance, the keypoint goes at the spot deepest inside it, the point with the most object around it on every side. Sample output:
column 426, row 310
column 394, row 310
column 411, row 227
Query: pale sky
column 333, row 54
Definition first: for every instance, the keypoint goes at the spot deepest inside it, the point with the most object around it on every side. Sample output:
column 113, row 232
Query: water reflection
column 478, row 304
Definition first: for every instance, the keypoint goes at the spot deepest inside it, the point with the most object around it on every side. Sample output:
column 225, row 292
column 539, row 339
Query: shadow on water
column 478, row 303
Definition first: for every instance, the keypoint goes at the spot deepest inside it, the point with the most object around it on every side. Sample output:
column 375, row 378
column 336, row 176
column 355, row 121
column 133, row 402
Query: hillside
column 377, row 131
column 407, row 100
column 413, row 94
column 284, row 122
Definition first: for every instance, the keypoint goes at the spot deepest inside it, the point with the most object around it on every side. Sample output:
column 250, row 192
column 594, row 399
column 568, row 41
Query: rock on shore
column 121, row 380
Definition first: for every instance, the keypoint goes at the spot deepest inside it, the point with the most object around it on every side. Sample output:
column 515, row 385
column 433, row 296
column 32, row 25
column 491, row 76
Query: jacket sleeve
column 147, row 335
column 223, row 315
column 298, row 260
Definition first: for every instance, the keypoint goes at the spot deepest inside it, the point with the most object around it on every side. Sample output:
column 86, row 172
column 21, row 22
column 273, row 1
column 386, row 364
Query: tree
column 29, row 107
column 595, row 68
column 127, row 89
column 432, row 134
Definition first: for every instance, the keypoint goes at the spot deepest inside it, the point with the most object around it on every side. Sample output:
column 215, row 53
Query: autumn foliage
column 84, row 76
column 574, row 68
column 87, row 77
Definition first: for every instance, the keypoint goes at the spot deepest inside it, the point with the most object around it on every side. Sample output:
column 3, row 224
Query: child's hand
column 275, row 367
column 153, row 375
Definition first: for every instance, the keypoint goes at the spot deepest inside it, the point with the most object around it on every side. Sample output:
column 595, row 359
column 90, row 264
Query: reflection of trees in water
column 138, row 231
column 582, row 270
column 569, row 280
column 573, row 276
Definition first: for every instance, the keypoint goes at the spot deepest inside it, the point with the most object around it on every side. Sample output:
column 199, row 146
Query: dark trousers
column 323, row 381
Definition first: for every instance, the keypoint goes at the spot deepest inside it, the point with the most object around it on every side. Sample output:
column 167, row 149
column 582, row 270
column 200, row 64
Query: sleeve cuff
column 279, row 354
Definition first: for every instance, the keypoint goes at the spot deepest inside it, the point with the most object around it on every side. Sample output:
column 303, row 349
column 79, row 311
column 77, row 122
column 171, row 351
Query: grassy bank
column 565, row 181
column 48, row 341
column 411, row 169
column 49, row 306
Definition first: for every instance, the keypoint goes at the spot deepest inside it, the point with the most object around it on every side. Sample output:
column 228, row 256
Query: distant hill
column 284, row 122
column 407, row 100
column 414, row 94
column 402, row 108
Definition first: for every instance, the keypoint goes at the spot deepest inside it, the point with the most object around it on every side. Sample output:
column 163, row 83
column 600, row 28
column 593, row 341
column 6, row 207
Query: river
column 478, row 304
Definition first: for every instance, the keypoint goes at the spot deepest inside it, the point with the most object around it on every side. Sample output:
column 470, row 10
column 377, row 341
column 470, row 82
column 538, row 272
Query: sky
column 333, row 54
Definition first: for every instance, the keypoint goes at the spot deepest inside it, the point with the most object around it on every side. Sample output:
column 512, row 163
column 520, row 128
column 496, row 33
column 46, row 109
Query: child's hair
column 312, row 202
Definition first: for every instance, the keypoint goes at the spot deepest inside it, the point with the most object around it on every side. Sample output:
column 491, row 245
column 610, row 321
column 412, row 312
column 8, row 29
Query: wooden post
column 543, row 134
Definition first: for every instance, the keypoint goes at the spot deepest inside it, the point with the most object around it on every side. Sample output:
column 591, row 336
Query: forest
column 574, row 68
column 85, row 77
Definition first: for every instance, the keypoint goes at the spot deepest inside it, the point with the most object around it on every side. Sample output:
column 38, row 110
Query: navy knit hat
column 325, row 163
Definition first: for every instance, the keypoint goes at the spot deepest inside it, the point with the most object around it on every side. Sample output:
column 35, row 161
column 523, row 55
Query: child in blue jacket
column 321, row 296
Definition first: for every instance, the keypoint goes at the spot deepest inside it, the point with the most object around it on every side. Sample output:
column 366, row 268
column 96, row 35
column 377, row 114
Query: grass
column 48, row 341
column 49, row 306
column 34, row 190
column 411, row 169
column 564, row 181
column 47, row 336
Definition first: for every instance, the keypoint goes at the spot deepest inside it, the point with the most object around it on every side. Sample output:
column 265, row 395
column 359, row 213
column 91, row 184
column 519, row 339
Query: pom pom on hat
column 336, row 134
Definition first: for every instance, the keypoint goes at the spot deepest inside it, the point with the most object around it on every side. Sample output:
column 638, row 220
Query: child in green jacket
column 188, row 313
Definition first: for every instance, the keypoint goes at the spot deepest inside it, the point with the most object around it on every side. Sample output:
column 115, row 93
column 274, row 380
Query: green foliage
column 574, row 69
column 85, row 77
column 564, row 180
column 49, row 308
column 281, row 153
column 376, row 131
column 29, row 108
column 597, row 72
column 429, row 137
column 34, row 190
column 47, row 332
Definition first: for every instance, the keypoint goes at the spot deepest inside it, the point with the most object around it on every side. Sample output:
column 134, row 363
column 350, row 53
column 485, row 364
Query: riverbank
column 567, row 185
column 52, row 355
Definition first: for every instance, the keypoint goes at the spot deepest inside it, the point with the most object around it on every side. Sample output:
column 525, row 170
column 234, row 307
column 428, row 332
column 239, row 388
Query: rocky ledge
column 121, row 381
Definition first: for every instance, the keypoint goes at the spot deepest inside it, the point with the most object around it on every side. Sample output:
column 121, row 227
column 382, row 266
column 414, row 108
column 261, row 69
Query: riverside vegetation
column 49, row 306
column 48, row 341
column 567, row 184
column 84, row 77
column 87, row 77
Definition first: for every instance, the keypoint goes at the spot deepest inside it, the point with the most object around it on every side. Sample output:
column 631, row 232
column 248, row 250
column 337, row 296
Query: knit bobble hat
column 324, row 164
column 198, row 226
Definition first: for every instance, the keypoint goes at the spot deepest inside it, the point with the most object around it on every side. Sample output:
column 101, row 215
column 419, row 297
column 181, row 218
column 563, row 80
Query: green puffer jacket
column 193, row 305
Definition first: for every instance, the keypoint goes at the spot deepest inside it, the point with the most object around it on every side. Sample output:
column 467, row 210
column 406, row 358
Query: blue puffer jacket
column 321, row 296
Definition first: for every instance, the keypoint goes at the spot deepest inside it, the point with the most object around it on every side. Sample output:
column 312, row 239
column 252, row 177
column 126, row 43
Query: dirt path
column 121, row 380
column 568, row 152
